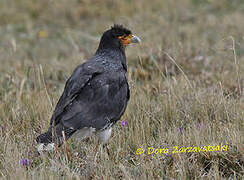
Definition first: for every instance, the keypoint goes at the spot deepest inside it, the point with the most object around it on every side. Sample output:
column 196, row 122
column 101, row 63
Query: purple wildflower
column 199, row 125
column 3, row 128
column 124, row 123
column 24, row 162
column 181, row 130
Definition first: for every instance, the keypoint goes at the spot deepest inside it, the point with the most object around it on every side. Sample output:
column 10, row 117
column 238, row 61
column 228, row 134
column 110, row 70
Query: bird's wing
column 100, row 102
column 77, row 81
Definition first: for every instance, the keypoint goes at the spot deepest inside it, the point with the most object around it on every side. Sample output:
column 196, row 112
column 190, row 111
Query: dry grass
column 186, row 86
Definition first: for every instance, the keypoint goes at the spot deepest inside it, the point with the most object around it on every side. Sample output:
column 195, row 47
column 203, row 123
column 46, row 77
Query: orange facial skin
column 126, row 40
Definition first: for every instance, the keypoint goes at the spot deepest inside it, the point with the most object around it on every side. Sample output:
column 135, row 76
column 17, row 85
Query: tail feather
column 47, row 140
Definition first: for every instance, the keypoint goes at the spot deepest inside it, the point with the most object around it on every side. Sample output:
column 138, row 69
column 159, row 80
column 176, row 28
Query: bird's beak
column 135, row 39
column 129, row 39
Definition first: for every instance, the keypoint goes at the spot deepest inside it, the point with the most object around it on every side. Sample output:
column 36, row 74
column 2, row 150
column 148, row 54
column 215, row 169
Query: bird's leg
column 103, row 136
column 101, row 150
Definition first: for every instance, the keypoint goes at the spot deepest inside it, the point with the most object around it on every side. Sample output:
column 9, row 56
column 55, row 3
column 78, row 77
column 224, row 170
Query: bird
column 95, row 96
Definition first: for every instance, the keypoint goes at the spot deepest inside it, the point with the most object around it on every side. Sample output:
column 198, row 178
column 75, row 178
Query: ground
column 186, row 82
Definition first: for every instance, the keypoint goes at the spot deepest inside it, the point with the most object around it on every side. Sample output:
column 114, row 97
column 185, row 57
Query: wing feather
column 77, row 81
column 92, row 98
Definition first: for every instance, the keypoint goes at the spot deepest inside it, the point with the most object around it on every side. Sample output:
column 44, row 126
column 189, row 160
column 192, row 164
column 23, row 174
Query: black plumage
column 96, row 94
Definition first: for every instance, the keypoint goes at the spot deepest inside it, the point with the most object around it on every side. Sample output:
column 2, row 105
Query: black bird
column 96, row 94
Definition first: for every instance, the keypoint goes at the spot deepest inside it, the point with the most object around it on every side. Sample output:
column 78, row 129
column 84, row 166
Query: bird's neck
column 115, row 55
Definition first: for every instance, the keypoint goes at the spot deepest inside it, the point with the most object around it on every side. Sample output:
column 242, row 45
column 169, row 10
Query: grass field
column 186, row 79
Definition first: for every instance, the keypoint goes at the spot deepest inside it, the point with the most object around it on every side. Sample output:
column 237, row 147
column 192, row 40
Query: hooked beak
column 135, row 39
column 126, row 40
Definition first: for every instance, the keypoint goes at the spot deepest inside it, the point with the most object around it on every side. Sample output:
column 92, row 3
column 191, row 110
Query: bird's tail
column 47, row 140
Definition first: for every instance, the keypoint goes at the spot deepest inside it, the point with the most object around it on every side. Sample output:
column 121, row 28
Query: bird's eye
column 122, row 37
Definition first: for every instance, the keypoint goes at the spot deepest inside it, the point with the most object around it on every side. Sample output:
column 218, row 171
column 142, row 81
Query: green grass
column 187, row 74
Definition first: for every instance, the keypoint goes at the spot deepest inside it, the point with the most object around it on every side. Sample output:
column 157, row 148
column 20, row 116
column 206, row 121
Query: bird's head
column 117, row 37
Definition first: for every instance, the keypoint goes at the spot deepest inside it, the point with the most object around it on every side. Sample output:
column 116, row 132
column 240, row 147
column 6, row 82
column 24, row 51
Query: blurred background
column 186, row 79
